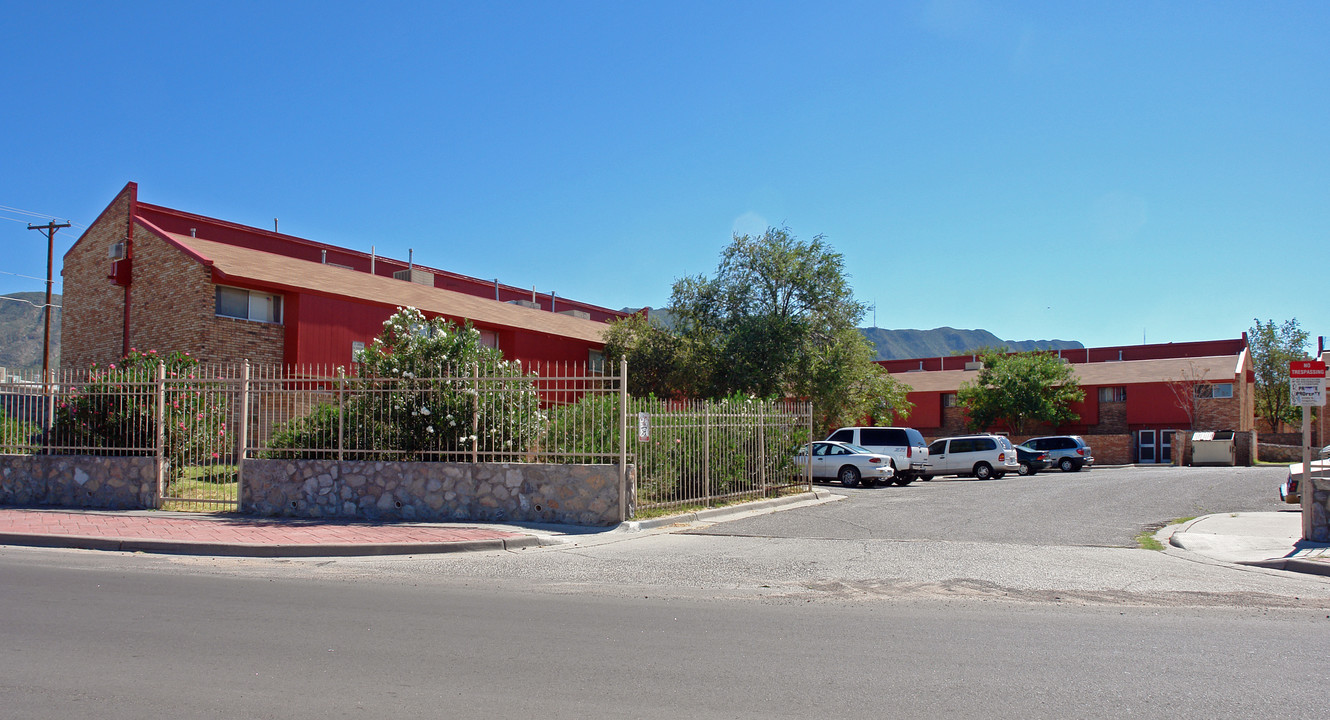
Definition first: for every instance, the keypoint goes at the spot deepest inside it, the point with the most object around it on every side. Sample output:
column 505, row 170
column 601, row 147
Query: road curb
column 269, row 550
column 714, row 514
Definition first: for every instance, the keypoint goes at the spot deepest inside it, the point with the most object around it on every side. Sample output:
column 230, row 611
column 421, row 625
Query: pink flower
column 214, row 455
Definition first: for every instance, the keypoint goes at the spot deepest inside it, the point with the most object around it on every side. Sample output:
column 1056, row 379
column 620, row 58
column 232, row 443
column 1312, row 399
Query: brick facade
column 172, row 301
column 93, row 314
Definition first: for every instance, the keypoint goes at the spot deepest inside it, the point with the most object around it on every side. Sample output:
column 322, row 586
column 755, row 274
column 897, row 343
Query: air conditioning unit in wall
column 117, row 251
column 419, row 277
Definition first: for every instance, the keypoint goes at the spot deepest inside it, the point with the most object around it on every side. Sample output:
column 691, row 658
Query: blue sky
column 1097, row 171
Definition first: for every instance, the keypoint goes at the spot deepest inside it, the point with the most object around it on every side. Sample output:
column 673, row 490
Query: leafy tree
column 1020, row 390
column 1272, row 347
column 657, row 357
column 777, row 320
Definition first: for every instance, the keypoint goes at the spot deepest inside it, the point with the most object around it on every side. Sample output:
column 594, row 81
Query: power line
column 26, row 277
column 29, row 302
column 30, row 213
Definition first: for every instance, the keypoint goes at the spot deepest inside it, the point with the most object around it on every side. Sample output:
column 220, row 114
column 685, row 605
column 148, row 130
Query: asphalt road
column 114, row 639
column 1020, row 597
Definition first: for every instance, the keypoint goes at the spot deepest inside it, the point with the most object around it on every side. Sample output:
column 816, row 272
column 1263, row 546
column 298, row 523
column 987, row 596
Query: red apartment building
column 1137, row 397
column 146, row 276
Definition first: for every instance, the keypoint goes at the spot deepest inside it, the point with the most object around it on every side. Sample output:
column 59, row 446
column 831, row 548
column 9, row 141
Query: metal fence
column 202, row 422
column 703, row 452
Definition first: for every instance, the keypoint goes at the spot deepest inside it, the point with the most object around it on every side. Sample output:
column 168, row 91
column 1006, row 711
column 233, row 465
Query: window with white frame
column 1112, row 394
column 1214, row 390
column 248, row 305
column 949, row 400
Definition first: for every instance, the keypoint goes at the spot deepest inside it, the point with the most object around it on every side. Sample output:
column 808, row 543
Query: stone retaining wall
column 436, row 491
column 81, row 481
column 1320, row 529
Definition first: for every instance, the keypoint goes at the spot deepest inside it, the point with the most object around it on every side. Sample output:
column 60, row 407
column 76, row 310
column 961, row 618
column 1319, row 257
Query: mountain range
column 21, row 331
column 900, row 344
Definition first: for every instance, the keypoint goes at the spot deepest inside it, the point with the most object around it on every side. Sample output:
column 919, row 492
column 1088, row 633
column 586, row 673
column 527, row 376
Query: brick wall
column 174, row 308
column 172, row 302
column 92, row 319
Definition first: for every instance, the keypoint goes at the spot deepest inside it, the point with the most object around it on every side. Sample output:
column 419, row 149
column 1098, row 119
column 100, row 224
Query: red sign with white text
column 1306, row 369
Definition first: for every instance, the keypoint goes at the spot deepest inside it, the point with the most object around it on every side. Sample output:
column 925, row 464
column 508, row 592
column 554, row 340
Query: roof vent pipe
column 274, row 224
column 533, row 293
column 192, row 232
column 324, row 258
column 551, row 301
column 410, row 259
column 496, row 289
column 371, row 259
column 1119, row 356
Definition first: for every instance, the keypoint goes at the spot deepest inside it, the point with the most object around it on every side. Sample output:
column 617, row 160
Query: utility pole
column 49, row 229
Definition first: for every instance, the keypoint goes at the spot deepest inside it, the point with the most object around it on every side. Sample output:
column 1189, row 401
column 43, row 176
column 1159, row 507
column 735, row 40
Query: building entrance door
column 1166, row 446
column 1145, row 446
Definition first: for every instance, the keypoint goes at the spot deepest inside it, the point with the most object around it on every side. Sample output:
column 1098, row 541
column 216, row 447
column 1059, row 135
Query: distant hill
column 21, row 331
column 900, row 344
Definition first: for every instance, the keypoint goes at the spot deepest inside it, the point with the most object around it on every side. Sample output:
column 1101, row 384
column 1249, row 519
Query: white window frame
column 1113, row 394
column 1216, row 391
column 251, row 313
column 950, row 400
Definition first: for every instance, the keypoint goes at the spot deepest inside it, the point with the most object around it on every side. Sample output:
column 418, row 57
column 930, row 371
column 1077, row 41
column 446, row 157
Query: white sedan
column 848, row 463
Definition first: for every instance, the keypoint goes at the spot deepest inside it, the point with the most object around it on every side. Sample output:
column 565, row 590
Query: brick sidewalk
column 215, row 534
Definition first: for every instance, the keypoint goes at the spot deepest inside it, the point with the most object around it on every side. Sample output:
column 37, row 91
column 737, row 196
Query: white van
column 906, row 446
column 981, row 456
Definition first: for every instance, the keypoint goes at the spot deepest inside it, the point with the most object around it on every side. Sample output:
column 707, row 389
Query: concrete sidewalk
column 1262, row 539
column 236, row 535
column 184, row 533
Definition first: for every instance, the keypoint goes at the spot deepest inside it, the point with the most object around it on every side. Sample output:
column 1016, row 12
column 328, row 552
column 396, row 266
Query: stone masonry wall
column 487, row 492
column 1320, row 529
column 83, row 481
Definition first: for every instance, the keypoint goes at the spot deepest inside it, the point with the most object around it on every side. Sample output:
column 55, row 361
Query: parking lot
column 1102, row 507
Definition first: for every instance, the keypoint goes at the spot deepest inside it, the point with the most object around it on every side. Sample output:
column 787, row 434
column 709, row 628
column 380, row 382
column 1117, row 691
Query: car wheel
column 1066, row 465
column 982, row 471
column 1024, row 469
column 903, row 481
column 849, row 476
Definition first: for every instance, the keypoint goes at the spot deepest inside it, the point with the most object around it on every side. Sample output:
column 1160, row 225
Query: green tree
column 1272, row 347
column 778, row 319
column 1020, row 390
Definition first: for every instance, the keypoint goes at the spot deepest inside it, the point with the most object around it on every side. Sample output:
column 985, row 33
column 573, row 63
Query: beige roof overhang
column 1221, row 368
column 269, row 270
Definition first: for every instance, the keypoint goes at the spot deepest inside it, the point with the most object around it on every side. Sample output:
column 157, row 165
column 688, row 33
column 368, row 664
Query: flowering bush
column 424, row 389
column 117, row 409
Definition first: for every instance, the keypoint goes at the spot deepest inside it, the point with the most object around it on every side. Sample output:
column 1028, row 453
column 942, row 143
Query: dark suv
column 1068, row 452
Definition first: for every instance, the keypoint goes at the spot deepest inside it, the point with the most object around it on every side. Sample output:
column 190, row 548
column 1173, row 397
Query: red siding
column 927, row 411
column 1088, row 408
column 1153, row 404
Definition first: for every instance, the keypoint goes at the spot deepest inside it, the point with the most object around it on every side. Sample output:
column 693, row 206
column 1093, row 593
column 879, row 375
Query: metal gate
column 198, row 439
